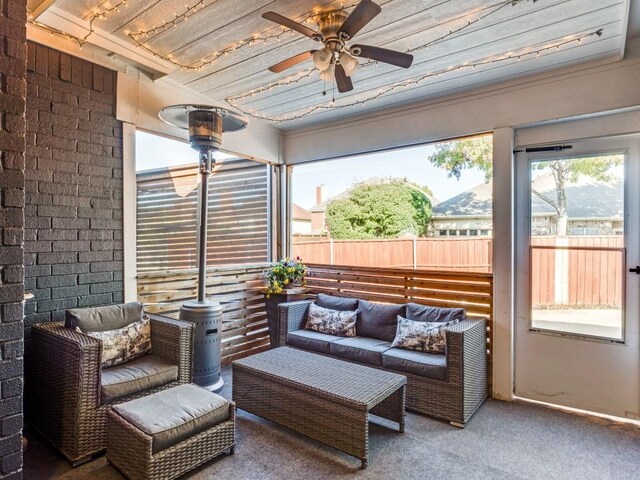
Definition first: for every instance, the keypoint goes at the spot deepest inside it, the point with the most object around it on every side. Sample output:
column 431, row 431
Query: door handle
column 636, row 269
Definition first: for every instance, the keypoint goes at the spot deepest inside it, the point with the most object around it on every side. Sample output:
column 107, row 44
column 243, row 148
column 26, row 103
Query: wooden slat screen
column 471, row 291
column 237, row 288
column 167, row 213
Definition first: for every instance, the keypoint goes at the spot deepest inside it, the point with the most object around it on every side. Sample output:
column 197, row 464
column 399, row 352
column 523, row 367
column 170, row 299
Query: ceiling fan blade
column 364, row 12
column 290, row 62
column 342, row 81
column 393, row 57
column 287, row 22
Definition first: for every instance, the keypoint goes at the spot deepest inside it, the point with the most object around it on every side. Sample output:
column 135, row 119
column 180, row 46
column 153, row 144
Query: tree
column 379, row 211
column 477, row 152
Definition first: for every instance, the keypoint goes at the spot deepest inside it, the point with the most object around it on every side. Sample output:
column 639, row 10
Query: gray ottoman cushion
column 377, row 320
column 430, row 365
column 425, row 313
column 136, row 376
column 360, row 349
column 101, row 319
column 311, row 340
column 337, row 303
column 174, row 415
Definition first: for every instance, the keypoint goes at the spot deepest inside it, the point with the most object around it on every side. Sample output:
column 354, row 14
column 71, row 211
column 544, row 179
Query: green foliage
column 477, row 152
column 456, row 156
column 379, row 211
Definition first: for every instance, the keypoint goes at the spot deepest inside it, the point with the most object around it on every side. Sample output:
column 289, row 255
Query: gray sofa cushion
column 174, row 415
column 337, row 303
column 425, row 313
column 136, row 376
column 428, row 365
column 360, row 349
column 376, row 320
column 101, row 319
column 311, row 340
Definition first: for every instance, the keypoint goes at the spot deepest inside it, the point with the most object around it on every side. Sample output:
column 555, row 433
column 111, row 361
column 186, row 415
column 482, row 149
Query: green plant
column 287, row 272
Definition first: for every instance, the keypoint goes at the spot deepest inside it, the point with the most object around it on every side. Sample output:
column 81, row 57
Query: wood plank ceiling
column 481, row 31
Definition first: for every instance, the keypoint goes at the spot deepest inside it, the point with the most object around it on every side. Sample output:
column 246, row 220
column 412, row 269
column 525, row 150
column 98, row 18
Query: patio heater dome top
column 178, row 116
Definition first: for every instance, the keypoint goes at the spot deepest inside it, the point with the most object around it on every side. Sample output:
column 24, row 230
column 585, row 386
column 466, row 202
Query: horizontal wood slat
column 167, row 216
column 237, row 288
column 471, row 291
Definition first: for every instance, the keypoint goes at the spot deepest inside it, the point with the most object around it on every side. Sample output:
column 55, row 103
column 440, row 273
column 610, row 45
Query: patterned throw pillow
column 333, row 322
column 124, row 344
column 430, row 337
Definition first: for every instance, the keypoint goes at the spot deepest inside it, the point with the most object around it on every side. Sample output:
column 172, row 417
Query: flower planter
column 273, row 301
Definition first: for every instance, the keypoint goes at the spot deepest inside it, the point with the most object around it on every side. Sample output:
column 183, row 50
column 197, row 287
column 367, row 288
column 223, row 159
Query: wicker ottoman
column 166, row 434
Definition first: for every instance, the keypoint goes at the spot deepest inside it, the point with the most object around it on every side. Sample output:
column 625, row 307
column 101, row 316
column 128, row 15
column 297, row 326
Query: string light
column 415, row 81
column 491, row 11
column 272, row 34
column 97, row 15
column 276, row 34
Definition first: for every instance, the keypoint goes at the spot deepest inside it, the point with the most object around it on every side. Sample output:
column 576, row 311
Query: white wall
column 140, row 99
column 585, row 89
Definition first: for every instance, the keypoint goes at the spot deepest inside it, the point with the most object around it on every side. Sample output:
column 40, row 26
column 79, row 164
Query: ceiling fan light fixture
column 349, row 63
column 328, row 73
column 322, row 59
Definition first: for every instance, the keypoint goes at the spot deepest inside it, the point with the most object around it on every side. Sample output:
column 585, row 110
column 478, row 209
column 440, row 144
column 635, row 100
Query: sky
column 410, row 163
column 154, row 151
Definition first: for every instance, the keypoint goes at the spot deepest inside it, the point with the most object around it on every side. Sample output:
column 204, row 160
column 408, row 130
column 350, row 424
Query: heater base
column 207, row 317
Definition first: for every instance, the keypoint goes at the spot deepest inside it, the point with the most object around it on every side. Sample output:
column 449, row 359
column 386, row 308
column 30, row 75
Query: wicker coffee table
column 320, row 397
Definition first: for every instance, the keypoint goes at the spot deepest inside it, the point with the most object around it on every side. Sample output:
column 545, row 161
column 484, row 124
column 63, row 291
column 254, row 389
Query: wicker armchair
column 455, row 398
column 64, row 382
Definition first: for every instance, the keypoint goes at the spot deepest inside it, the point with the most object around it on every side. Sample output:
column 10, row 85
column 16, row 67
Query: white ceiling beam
column 58, row 19
column 40, row 8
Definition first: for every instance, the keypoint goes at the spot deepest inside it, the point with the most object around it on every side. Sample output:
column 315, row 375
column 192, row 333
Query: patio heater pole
column 206, row 164
column 205, row 124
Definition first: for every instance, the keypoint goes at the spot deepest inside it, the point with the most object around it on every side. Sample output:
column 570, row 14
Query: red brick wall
column 13, row 89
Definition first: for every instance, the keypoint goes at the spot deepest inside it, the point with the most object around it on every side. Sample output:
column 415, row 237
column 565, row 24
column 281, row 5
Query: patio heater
column 205, row 125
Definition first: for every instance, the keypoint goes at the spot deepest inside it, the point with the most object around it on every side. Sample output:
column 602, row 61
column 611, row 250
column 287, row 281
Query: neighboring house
column 318, row 211
column 300, row 220
column 594, row 208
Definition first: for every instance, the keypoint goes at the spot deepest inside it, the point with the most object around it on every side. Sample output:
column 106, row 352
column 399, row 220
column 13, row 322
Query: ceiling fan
column 337, row 58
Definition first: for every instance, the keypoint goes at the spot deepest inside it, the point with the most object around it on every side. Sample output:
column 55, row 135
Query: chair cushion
column 138, row 375
column 376, row 320
column 430, row 365
column 333, row 322
column 100, row 319
column 124, row 344
column 337, row 303
column 360, row 349
column 428, row 337
column 425, row 313
column 311, row 340
column 174, row 415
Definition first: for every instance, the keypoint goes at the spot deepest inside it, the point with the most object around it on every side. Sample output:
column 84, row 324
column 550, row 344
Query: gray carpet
column 502, row 441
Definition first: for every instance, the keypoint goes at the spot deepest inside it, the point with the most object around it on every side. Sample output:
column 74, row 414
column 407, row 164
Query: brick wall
column 73, row 182
column 12, row 162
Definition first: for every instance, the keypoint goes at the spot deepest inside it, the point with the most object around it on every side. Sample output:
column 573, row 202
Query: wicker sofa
column 450, row 386
column 69, row 392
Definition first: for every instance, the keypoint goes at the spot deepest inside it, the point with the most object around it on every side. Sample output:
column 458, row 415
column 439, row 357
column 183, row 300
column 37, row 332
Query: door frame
column 526, row 336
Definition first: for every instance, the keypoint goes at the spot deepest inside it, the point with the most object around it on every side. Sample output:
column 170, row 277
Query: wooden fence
column 575, row 271
column 464, row 254
column 237, row 288
column 471, row 291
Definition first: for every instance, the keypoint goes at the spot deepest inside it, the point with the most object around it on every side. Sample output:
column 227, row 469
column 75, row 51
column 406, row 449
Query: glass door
column 577, row 289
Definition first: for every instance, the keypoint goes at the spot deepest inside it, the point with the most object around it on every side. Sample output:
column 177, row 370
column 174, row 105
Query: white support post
column 129, row 217
column 503, row 264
